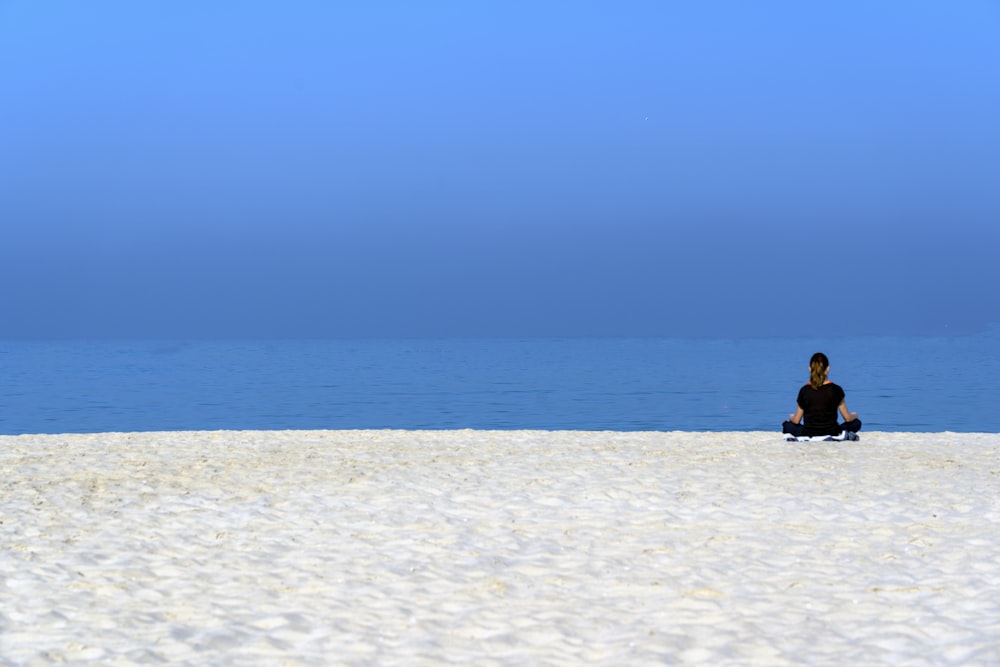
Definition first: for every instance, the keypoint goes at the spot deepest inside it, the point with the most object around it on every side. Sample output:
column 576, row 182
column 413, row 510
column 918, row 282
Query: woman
column 818, row 403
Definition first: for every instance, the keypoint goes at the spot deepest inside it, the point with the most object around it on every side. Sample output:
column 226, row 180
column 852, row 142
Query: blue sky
column 325, row 169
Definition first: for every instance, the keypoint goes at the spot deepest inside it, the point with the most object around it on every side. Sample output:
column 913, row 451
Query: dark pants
column 792, row 428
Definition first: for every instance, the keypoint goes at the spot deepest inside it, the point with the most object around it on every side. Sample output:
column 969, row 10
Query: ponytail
column 818, row 366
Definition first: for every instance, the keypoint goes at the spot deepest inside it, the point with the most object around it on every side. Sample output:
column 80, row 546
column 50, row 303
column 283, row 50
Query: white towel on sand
column 844, row 435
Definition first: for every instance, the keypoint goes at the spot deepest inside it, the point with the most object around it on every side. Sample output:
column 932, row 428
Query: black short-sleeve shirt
column 819, row 408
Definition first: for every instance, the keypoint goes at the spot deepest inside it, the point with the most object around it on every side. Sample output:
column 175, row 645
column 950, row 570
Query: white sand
column 499, row 548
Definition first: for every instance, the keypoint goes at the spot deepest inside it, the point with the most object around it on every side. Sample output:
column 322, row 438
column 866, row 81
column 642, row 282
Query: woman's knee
column 792, row 428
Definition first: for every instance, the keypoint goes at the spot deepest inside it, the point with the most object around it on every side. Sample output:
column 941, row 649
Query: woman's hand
column 848, row 416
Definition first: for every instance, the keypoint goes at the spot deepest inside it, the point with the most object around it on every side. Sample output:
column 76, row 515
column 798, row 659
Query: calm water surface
column 896, row 384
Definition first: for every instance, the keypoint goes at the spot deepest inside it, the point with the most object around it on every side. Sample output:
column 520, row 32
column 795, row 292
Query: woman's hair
column 818, row 367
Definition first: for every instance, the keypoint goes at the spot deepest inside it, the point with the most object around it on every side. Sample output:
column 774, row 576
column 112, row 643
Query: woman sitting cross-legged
column 818, row 403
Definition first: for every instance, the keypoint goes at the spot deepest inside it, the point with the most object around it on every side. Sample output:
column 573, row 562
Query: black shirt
column 819, row 408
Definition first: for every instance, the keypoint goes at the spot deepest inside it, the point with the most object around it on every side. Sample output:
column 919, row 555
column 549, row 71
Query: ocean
column 623, row 384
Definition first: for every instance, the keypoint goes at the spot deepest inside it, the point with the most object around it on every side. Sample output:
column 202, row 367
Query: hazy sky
column 188, row 169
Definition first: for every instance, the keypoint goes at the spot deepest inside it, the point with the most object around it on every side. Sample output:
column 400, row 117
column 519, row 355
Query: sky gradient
column 320, row 169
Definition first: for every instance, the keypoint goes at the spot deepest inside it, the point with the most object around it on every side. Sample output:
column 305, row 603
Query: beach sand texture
column 499, row 548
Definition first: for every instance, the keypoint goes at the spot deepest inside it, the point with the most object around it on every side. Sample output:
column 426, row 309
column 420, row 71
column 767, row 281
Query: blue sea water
column 896, row 384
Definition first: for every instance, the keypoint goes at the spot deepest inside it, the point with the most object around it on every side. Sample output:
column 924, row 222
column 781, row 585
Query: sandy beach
column 499, row 548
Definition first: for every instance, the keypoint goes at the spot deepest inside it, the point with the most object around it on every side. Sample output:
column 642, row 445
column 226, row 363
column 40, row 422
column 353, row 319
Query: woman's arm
column 848, row 416
column 796, row 417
